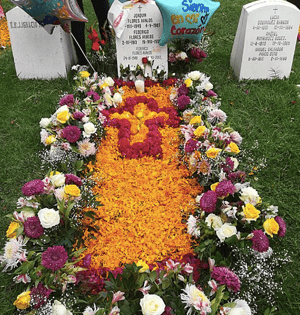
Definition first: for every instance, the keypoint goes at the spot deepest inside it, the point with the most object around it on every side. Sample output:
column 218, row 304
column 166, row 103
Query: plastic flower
column 71, row 133
column 195, row 298
column 223, row 275
column 54, row 258
column 271, row 227
column 152, row 304
column 260, row 241
column 208, row 201
column 33, row 227
column 23, row 300
column 34, row 187
column 282, row 226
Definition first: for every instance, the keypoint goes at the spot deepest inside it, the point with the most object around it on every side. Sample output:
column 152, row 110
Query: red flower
column 95, row 39
column 145, row 60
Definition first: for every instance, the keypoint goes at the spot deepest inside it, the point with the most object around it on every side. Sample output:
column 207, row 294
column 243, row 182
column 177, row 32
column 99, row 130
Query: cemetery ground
column 266, row 114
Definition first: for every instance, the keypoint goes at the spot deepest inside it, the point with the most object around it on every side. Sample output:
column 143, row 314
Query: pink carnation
column 208, row 201
column 71, row 133
column 260, row 241
column 223, row 275
column 34, row 187
column 54, row 258
column 33, row 227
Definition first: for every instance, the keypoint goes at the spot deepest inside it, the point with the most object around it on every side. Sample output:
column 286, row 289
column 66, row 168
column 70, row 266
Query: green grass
column 269, row 114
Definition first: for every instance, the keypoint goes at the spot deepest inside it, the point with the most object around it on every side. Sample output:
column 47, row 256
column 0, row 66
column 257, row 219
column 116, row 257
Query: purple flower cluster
column 33, row 188
column 183, row 101
column 54, row 258
column 223, row 275
column 67, row 100
column 78, row 115
column 282, row 226
column 183, row 90
column 33, row 227
column 260, row 241
column 71, row 133
column 191, row 145
column 94, row 94
column 39, row 295
column 208, row 201
column 73, row 179
column 198, row 54
column 225, row 188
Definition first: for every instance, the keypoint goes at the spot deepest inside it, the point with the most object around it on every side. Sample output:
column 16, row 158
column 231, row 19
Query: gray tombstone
column 140, row 38
column 37, row 54
column 265, row 41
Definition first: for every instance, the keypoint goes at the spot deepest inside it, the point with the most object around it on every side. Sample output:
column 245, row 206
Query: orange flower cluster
column 144, row 200
column 4, row 33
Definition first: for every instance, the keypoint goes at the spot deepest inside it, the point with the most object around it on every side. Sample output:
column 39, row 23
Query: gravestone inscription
column 37, row 54
column 265, row 41
column 140, row 38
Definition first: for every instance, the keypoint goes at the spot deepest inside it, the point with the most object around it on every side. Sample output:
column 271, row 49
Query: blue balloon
column 185, row 19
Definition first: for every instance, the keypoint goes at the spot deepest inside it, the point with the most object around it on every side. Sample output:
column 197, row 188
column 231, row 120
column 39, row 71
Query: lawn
column 266, row 113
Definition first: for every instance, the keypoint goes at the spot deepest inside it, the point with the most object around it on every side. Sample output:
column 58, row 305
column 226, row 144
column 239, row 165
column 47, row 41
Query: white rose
column 109, row 81
column 45, row 122
column 117, row 98
column 89, row 129
column 107, row 99
column 225, row 231
column 194, row 75
column 85, row 119
column 58, row 179
column 152, row 304
column 250, row 195
column 213, row 221
column 208, row 86
column 48, row 217
column 59, row 309
column 183, row 55
column 241, row 308
column 235, row 163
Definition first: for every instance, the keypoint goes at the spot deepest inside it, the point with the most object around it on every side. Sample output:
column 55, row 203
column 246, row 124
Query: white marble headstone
column 265, row 41
column 141, row 37
column 37, row 54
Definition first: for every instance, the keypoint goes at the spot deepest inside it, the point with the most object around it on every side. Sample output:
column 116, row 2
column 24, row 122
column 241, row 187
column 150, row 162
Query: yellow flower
column 199, row 131
column 141, row 263
column 212, row 153
column 84, row 74
column 63, row 116
column 23, row 300
column 12, row 229
column 72, row 190
column 195, row 120
column 188, row 82
column 250, row 212
column 271, row 226
column 50, row 140
column 214, row 186
column 233, row 148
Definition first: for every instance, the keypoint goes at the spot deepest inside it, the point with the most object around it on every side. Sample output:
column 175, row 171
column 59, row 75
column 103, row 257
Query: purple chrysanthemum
column 225, row 188
column 34, row 187
column 183, row 90
column 71, row 133
column 282, row 226
column 67, row 100
column 94, row 94
column 260, row 241
column 223, row 275
column 73, row 179
column 78, row 115
column 208, row 201
column 39, row 295
column 183, row 101
column 33, row 227
column 54, row 258
column 190, row 145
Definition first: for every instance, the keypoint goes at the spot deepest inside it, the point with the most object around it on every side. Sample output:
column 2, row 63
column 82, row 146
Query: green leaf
column 215, row 303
